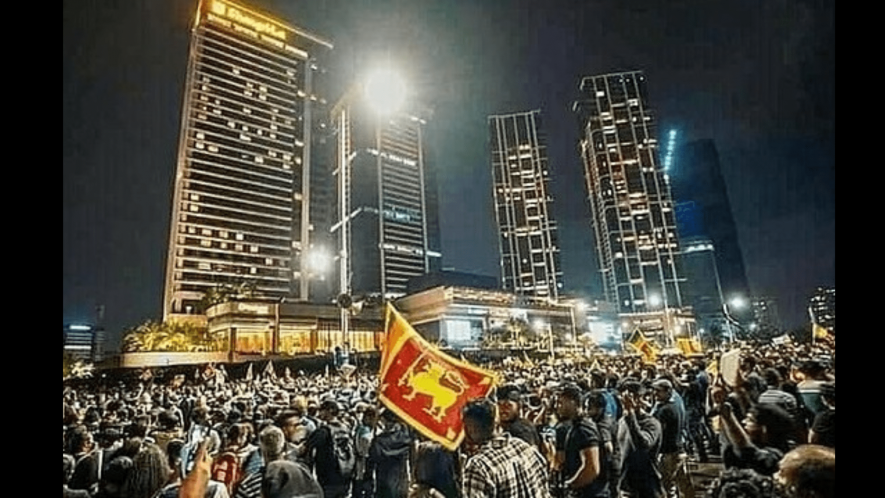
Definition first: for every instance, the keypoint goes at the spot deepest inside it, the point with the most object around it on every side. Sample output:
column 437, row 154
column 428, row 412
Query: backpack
column 226, row 470
column 343, row 448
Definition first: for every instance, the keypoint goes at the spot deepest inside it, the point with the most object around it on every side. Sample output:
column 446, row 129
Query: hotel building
column 241, row 213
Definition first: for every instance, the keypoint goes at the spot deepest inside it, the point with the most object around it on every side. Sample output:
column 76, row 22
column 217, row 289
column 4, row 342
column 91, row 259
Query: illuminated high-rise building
column 386, row 207
column 527, row 238
column 765, row 315
column 633, row 213
column 822, row 307
column 241, row 204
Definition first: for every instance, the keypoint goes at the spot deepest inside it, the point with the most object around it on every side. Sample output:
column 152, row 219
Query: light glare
column 385, row 91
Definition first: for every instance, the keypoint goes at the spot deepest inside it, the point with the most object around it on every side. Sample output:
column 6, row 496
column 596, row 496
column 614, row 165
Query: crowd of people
column 614, row 427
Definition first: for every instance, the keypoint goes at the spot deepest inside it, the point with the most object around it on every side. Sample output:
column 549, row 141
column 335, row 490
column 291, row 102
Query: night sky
column 756, row 76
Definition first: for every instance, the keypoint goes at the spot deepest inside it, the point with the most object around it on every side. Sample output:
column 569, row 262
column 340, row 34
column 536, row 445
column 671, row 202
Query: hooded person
column 389, row 456
column 286, row 479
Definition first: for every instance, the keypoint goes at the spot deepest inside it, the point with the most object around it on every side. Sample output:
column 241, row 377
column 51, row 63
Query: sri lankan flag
column 643, row 346
column 818, row 331
column 426, row 387
column 689, row 346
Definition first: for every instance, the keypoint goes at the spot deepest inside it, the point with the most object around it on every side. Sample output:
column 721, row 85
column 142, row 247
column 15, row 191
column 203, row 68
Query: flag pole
column 811, row 316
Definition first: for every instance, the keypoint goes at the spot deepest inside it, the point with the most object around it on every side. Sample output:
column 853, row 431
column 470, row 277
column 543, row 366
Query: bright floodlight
column 738, row 302
column 385, row 91
column 654, row 300
column 318, row 260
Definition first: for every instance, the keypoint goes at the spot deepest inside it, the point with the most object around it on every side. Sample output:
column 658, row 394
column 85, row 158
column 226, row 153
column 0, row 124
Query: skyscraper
column 528, row 243
column 386, row 214
column 766, row 318
column 241, row 203
column 696, row 178
column 702, row 289
column 822, row 307
column 633, row 219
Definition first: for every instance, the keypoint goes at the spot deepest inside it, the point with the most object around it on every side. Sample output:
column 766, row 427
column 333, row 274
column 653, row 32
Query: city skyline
column 120, row 103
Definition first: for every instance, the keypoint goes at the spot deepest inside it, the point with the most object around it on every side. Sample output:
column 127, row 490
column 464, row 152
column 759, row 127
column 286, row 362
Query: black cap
column 571, row 391
column 509, row 392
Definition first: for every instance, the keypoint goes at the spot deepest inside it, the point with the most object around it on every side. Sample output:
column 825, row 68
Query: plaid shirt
column 506, row 467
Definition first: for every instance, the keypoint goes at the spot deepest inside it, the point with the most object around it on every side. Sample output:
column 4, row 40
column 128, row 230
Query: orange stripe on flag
column 426, row 387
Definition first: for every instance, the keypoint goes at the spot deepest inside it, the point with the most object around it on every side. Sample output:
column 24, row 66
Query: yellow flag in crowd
column 819, row 331
column 688, row 346
column 643, row 346
column 713, row 369
column 426, row 387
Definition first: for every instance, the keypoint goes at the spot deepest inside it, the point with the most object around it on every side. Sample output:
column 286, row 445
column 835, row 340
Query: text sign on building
column 243, row 18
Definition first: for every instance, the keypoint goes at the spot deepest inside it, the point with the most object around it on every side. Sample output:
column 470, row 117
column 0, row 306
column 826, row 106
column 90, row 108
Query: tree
column 225, row 293
column 178, row 336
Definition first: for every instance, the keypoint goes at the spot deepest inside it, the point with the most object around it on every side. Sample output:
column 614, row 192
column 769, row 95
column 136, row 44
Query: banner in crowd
column 648, row 350
column 426, row 387
column 269, row 372
column 689, row 346
column 819, row 332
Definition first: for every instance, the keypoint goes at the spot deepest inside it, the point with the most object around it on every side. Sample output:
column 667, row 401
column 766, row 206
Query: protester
column 435, row 474
column 322, row 451
column 389, row 455
column 673, row 459
column 639, row 438
column 503, row 466
column 809, row 471
column 823, row 430
column 109, row 424
column 581, row 468
column 510, row 406
column 760, row 442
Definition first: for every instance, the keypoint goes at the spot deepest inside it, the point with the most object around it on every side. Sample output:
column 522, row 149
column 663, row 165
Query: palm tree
column 168, row 336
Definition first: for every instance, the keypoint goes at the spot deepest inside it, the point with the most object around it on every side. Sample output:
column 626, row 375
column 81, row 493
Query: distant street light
column 738, row 302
